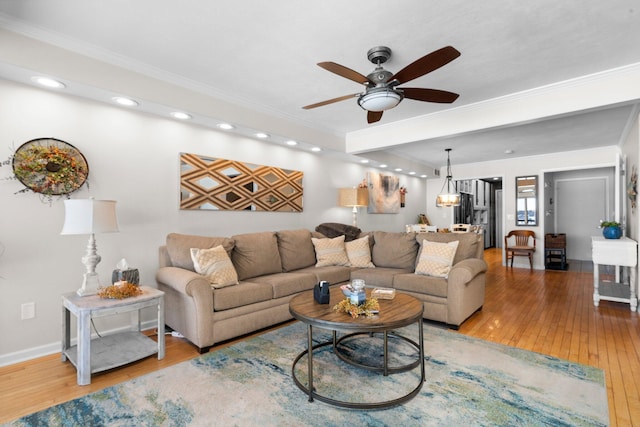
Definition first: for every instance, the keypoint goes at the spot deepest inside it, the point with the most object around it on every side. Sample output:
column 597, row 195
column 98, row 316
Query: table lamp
column 89, row 216
column 353, row 198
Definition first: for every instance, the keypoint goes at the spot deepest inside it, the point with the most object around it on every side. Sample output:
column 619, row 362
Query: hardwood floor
column 548, row 312
column 552, row 312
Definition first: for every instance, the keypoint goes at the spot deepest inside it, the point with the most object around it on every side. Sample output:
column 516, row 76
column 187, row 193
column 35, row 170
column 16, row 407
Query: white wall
column 508, row 170
column 133, row 159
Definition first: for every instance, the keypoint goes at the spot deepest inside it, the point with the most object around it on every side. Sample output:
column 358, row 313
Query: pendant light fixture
column 450, row 198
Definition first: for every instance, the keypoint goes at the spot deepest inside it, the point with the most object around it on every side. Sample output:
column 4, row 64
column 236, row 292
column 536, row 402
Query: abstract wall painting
column 384, row 193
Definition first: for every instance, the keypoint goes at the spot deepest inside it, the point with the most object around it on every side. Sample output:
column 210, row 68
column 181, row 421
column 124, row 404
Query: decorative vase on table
column 612, row 232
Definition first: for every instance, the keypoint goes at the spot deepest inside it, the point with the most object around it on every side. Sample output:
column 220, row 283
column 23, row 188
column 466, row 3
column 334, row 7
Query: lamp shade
column 353, row 197
column 89, row 216
column 448, row 200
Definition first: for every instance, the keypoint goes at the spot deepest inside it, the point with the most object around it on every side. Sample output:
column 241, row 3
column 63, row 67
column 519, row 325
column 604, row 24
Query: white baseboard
column 55, row 347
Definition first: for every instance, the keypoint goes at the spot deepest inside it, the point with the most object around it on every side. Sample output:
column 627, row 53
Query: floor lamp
column 89, row 216
column 353, row 198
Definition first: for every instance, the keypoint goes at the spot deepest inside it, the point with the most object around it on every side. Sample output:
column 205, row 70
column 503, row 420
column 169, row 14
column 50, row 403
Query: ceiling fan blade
column 374, row 116
column 429, row 95
column 345, row 72
column 330, row 101
column 426, row 64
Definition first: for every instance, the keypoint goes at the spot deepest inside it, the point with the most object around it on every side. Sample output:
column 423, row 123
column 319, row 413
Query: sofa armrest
column 464, row 271
column 466, row 286
column 184, row 281
column 188, row 304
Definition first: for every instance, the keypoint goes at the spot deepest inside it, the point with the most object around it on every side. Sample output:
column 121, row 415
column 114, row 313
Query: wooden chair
column 522, row 247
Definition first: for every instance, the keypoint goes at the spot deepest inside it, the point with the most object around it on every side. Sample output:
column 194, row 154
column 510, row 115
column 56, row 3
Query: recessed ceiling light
column 398, row 169
column 127, row 102
column 225, row 126
column 383, row 165
column 262, row 135
column 412, row 173
column 364, row 161
column 46, row 81
column 291, row 142
column 508, row 151
column 316, row 149
column 423, row 176
column 495, row 178
column 180, row 115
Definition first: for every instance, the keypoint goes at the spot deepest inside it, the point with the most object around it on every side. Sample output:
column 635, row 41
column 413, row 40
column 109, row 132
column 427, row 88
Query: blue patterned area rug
column 468, row 382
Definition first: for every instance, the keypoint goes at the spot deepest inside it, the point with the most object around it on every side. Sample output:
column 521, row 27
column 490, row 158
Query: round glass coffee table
column 401, row 311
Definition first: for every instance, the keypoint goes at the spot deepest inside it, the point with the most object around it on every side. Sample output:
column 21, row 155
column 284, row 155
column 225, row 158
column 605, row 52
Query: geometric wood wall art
column 208, row 183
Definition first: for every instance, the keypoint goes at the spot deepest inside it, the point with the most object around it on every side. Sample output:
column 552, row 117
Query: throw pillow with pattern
column 436, row 258
column 330, row 252
column 359, row 253
column 215, row 265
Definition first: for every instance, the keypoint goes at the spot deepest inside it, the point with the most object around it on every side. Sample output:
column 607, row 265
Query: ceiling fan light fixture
column 379, row 99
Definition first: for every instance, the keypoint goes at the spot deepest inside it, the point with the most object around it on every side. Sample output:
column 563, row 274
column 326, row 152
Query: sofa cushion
column 256, row 254
column 179, row 247
column 379, row 276
column 284, row 284
column 436, row 258
column 359, row 253
column 467, row 248
column 296, row 249
column 215, row 265
column 425, row 285
column 331, row 273
column 244, row 293
column 394, row 250
column 330, row 251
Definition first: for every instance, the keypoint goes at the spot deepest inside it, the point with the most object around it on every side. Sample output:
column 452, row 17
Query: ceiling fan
column 381, row 91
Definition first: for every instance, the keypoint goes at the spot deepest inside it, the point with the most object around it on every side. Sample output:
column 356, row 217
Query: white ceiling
column 261, row 56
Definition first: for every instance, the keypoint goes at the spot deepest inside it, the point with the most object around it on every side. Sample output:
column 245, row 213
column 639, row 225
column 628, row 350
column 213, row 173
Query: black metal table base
column 385, row 369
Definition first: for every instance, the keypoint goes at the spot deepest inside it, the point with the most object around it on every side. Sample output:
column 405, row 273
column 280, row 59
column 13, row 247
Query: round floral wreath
column 50, row 166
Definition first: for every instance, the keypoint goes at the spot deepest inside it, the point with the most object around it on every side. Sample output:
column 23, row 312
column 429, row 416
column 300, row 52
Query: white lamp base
column 355, row 216
column 90, row 282
column 90, row 285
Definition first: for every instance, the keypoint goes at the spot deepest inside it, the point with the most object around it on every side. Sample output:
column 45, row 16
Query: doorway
column 499, row 231
column 480, row 206
column 581, row 203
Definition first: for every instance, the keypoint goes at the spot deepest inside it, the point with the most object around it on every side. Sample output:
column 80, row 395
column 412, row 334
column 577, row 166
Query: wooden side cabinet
column 618, row 252
column 109, row 351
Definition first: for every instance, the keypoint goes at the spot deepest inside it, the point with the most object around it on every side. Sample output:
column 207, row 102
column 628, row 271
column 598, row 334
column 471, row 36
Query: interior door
column 581, row 204
column 499, row 230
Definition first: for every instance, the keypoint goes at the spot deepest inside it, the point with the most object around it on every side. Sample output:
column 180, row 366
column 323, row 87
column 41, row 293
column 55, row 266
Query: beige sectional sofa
column 272, row 267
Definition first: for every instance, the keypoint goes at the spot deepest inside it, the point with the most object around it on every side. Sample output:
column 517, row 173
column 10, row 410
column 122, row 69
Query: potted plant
column 611, row 229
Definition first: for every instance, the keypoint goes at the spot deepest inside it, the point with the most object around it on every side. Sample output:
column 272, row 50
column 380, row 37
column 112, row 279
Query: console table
column 109, row 351
column 617, row 252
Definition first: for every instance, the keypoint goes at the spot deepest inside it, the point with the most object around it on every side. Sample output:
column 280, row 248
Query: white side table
column 113, row 350
column 618, row 252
